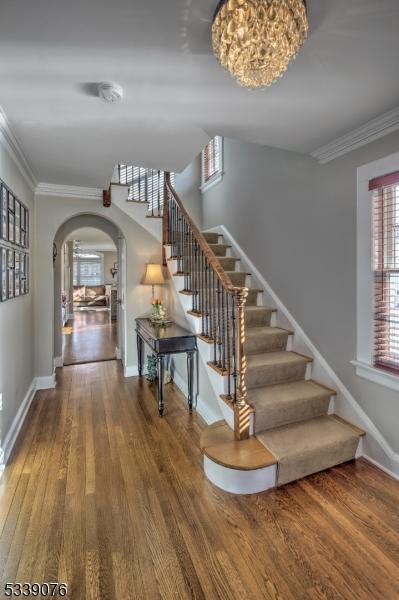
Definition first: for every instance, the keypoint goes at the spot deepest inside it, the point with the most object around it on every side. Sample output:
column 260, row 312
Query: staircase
column 276, row 427
column 281, row 430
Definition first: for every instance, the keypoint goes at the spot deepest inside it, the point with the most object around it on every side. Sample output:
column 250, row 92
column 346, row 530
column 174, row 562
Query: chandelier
column 255, row 40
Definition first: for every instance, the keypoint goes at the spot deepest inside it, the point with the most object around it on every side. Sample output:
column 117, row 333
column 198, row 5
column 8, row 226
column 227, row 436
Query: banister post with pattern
column 165, row 220
column 219, row 304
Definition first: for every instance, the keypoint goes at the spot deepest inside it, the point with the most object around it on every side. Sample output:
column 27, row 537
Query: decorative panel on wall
column 14, row 243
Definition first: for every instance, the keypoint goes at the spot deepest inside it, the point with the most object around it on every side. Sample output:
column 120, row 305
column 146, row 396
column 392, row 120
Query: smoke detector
column 110, row 92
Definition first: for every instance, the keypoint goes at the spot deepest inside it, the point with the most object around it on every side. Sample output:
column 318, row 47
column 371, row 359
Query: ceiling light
column 110, row 92
column 255, row 40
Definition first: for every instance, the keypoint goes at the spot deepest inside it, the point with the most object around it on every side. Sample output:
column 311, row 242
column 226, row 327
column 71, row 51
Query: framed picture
column 17, row 222
column 3, row 274
column 10, row 271
column 23, row 234
column 26, row 228
column 11, row 218
column 17, row 274
column 4, row 212
column 26, row 273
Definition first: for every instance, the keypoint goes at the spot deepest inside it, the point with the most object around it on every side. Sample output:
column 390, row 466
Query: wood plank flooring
column 104, row 495
column 89, row 337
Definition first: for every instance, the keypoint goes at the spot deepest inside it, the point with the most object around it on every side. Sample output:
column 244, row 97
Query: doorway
column 87, row 291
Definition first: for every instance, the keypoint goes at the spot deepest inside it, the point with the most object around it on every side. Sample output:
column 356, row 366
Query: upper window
column 212, row 163
column 386, row 270
column 88, row 268
column 145, row 185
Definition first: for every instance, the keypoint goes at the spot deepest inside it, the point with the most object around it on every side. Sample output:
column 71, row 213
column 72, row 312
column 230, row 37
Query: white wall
column 51, row 213
column 16, row 316
column 296, row 220
column 187, row 186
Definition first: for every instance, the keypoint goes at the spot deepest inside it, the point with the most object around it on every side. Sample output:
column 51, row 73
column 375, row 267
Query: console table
column 165, row 340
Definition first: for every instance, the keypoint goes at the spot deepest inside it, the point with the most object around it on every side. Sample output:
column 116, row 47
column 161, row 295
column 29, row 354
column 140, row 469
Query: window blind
column 145, row 185
column 87, row 270
column 212, row 159
column 386, row 270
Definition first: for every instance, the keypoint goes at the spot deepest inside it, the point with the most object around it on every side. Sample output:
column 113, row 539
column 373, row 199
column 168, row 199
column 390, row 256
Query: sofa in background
column 90, row 295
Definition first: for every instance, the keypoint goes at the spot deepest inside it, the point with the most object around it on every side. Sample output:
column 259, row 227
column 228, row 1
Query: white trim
column 68, row 191
column 345, row 404
column 370, row 131
column 58, row 362
column 45, row 383
column 118, row 353
column 201, row 406
column 10, row 143
column 217, row 178
column 385, row 469
column 12, row 434
column 130, row 371
column 375, row 375
column 236, row 481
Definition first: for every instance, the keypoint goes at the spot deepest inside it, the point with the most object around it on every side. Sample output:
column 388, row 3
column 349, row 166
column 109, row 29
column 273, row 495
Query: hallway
column 90, row 337
column 102, row 494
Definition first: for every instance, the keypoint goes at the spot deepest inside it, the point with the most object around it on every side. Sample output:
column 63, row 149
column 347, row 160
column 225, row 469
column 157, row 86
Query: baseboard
column 45, row 383
column 393, row 474
column 11, row 437
column 130, row 370
column 376, row 448
column 203, row 409
column 58, row 362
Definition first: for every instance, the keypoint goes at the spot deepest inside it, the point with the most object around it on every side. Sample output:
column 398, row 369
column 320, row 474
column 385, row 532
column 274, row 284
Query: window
column 385, row 192
column 377, row 337
column 212, row 163
column 145, row 185
column 88, row 268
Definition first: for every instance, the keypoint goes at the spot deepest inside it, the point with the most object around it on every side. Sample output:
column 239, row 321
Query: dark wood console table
column 163, row 341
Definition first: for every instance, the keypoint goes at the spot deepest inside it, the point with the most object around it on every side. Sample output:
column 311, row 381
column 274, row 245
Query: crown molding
column 10, row 143
column 369, row 132
column 68, row 191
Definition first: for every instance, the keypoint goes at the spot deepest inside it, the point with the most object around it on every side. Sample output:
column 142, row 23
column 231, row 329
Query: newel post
column 165, row 217
column 242, row 410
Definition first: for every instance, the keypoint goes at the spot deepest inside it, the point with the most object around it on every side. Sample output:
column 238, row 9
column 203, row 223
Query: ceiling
column 52, row 53
column 92, row 239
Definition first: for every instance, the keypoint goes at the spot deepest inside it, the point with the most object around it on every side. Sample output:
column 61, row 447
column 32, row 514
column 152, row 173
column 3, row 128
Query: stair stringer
column 373, row 446
column 138, row 211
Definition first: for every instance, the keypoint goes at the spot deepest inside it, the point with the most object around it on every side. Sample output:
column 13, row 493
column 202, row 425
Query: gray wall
column 296, row 220
column 187, row 185
column 109, row 259
column 16, row 317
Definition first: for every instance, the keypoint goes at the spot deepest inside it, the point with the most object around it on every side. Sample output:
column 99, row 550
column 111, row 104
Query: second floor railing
column 218, row 304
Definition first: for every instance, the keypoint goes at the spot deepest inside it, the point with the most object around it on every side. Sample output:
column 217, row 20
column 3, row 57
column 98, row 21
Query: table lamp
column 153, row 276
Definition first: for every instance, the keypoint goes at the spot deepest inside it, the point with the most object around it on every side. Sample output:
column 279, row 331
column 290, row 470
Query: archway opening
column 88, row 286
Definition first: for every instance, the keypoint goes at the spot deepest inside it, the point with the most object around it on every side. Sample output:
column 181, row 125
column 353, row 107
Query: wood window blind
column 386, row 270
column 211, row 159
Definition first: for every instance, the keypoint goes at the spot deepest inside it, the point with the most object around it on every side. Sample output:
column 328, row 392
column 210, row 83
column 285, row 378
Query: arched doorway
column 88, row 332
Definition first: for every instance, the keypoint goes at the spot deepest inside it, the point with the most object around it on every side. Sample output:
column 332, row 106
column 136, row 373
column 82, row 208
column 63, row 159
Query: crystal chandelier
column 257, row 39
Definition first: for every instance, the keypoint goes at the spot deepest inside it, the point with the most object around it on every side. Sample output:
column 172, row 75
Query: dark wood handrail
column 219, row 303
column 203, row 244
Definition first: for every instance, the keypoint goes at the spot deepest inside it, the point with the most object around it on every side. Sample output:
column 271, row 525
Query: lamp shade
column 153, row 275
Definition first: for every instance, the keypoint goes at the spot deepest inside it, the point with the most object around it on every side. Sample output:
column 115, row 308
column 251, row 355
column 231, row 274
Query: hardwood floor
column 91, row 336
column 104, row 495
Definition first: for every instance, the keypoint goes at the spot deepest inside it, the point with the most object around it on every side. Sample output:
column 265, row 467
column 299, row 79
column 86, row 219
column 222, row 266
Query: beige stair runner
column 291, row 411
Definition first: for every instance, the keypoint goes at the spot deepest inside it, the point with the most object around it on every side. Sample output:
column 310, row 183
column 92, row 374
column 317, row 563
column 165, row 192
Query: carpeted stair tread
column 309, row 446
column 277, row 405
column 252, row 298
column 265, row 339
column 228, row 263
column 237, row 277
column 211, row 237
column 256, row 316
column 219, row 249
column 271, row 368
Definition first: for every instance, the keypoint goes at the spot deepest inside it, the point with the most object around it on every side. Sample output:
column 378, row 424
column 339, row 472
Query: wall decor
column 10, row 269
column 3, row 274
column 14, row 218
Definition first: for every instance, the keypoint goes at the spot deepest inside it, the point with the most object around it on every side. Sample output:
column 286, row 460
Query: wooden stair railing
column 215, row 300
